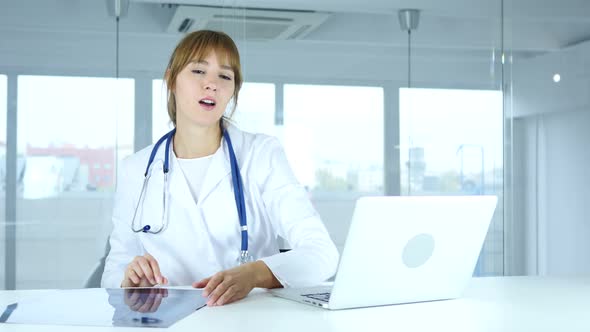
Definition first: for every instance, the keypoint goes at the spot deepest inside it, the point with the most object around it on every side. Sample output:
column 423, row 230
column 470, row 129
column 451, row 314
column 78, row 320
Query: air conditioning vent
column 299, row 32
column 246, row 23
column 186, row 24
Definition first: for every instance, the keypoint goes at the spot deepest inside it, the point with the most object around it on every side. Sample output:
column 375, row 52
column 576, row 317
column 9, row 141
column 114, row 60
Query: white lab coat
column 204, row 238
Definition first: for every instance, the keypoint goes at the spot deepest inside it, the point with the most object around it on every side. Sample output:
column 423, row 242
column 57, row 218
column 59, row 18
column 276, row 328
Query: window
column 256, row 108
column 335, row 147
column 335, row 143
column 66, row 127
column 451, row 144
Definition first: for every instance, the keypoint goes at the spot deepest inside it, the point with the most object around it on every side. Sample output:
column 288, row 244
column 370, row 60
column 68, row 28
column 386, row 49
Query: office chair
column 93, row 280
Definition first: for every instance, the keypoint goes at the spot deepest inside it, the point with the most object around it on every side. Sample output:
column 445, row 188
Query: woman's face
column 203, row 89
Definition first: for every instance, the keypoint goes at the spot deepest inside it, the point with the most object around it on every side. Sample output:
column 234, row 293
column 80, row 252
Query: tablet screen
column 139, row 307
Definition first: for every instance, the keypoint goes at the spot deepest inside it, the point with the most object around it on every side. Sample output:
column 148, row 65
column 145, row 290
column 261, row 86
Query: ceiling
column 530, row 26
column 454, row 36
column 457, row 44
column 565, row 10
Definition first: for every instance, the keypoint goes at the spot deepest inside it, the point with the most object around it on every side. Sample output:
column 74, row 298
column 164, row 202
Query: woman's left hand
column 234, row 284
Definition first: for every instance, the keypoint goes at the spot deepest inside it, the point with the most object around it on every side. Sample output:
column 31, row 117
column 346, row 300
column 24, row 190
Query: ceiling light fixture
column 408, row 21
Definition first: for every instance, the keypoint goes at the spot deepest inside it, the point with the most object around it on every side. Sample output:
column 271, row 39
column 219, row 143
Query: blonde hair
column 198, row 45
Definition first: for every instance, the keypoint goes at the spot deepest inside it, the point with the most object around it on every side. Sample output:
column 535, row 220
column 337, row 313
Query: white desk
column 489, row 304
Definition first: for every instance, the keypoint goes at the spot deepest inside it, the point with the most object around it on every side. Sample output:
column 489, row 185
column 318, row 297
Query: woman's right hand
column 143, row 271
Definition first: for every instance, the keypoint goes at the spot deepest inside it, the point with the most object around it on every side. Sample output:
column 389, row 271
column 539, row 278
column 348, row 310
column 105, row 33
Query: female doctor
column 204, row 205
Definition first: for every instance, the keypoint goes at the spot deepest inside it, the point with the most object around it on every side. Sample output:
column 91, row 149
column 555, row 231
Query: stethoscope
column 244, row 256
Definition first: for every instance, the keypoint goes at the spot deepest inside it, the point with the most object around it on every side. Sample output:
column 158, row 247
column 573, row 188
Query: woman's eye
column 225, row 77
column 198, row 71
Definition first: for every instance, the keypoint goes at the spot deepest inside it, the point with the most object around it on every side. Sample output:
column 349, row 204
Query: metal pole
column 11, row 184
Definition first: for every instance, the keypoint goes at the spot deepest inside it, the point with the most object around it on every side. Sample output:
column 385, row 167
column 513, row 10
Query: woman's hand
column 234, row 284
column 143, row 271
column 142, row 301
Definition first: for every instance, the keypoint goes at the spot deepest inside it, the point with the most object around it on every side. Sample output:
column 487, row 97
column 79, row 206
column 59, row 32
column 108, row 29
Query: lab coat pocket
column 221, row 216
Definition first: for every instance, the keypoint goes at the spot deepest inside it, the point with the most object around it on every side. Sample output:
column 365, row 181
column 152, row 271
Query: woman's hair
column 198, row 45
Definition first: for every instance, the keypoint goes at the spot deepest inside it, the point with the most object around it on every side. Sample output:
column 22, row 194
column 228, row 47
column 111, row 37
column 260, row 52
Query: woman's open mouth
column 207, row 103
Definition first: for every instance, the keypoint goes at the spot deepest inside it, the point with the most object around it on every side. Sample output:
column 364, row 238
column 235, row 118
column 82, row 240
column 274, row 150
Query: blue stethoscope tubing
column 236, row 181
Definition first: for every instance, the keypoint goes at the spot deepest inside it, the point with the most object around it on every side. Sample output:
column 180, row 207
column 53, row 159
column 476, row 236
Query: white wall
column 552, row 209
column 550, row 170
column 566, row 193
column 535, row 92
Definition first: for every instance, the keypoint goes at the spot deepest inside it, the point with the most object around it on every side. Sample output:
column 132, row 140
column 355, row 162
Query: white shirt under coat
column 194, row 171
column 203, row 238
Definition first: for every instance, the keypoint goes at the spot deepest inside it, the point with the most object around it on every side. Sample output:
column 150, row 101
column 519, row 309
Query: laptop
column 405, row 249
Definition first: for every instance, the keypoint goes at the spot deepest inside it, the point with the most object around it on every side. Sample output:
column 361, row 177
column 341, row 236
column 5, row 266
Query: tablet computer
column 130, row 307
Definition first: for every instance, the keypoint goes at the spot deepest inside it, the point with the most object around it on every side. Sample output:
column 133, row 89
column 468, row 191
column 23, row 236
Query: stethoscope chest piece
column 244, row 257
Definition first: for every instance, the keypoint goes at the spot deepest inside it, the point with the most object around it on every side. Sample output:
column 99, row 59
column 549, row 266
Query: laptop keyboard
column 323, row 297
